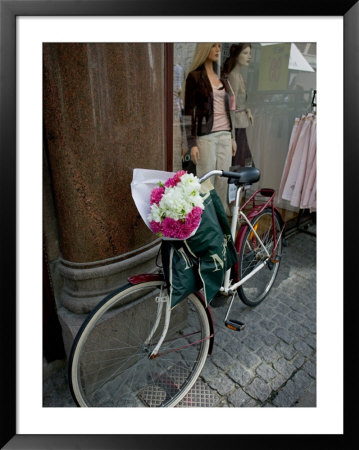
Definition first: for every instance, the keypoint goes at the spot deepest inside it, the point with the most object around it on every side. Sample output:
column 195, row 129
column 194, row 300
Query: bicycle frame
column 238, row 213
column 227, row 287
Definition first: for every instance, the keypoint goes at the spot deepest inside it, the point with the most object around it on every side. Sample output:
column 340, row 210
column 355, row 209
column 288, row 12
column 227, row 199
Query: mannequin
column 210, row 134
column 240, row 56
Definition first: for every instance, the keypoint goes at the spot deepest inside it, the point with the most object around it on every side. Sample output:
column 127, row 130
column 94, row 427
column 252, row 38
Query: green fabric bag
column 202, row 260
column 180, row 270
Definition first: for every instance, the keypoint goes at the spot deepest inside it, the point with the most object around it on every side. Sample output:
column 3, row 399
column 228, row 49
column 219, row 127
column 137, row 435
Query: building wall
column 103, row 116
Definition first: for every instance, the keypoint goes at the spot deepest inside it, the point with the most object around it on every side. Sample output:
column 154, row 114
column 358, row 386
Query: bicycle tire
column 254, row 290
column 112, row 336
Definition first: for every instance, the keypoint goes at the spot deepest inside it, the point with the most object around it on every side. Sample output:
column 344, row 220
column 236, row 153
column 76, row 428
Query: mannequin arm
column 234, row 147
column 250, row 116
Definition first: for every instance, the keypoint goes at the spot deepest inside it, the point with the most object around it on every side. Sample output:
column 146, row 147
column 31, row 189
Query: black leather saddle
column 242, row 175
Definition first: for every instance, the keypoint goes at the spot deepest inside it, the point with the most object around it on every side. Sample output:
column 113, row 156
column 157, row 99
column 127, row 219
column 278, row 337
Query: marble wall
column 103, row 116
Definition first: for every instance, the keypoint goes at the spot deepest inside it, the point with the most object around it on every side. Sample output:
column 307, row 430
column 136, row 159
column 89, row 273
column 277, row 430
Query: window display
column 271, row 84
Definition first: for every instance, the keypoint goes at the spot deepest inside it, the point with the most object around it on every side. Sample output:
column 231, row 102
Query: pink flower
column 194, row 217
column 179, row 174
column 156, row 227
column 178, row 229
column 182, row 229
column 172, row 182
column 174, row 228
column 156, row 195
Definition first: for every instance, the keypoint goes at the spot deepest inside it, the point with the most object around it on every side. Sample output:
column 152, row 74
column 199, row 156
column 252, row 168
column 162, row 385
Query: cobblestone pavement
column 272, row 362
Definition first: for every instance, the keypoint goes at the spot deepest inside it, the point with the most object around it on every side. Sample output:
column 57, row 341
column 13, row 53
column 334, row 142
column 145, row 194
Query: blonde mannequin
column 210, row 134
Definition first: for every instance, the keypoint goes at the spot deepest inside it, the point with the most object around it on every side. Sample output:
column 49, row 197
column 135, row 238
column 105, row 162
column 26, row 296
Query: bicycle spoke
column 109, row 349
column 89, row 372
column 112, row 376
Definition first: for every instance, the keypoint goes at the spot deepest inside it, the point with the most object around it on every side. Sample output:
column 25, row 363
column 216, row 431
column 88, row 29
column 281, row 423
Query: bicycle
column 134, row 350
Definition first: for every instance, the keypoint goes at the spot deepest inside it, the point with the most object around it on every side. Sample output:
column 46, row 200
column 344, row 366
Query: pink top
column 298, row 184
column 220, row 117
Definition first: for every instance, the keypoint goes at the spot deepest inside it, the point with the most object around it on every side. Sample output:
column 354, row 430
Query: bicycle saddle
column 242, row 175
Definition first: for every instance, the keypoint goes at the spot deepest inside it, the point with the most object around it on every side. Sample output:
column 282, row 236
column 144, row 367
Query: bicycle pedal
column 234, row 325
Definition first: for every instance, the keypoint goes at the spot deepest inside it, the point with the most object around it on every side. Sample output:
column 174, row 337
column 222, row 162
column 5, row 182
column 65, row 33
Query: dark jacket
column 198, row 109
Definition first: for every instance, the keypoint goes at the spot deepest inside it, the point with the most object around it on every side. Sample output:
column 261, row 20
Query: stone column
column 103, row 116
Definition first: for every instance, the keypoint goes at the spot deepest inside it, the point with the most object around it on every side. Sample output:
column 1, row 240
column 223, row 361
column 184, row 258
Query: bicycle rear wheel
column 251, row 254
column 109, row 362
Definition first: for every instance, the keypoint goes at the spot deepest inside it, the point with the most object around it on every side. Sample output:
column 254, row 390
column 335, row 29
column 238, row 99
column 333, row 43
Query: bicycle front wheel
column 251, row 254
column 109, row 362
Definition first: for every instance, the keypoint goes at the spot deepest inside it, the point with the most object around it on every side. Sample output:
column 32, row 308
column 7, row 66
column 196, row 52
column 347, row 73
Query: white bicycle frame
column 227, row 287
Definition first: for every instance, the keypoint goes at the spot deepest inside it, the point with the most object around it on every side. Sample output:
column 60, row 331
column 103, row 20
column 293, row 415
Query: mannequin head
column 205, row 51
column 244, row 57
column 214, row 53
column 239, row 54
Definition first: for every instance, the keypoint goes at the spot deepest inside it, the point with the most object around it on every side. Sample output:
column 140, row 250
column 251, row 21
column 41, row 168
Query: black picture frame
column 9, row 10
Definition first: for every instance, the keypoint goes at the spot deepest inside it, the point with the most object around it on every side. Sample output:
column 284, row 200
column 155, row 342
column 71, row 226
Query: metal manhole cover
column 167, row 384
column 200, row 396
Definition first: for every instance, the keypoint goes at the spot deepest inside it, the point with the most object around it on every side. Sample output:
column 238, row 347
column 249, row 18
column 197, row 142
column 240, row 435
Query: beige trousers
column 215, row 153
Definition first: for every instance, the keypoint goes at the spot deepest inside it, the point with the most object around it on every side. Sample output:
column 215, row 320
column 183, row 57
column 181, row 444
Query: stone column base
column 81, row 288
column 84, row 287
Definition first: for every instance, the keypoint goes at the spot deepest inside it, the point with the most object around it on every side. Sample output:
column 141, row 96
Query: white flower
column 155, row 213
column 174, row 204
column 178, row 201
column 189, row 182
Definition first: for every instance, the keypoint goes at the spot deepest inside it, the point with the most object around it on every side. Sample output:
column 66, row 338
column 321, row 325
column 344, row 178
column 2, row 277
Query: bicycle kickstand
column 233, row 324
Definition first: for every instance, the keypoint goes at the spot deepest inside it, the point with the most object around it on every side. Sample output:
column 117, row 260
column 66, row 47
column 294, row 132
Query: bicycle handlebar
column 210, row 174
column 220, row 173
column 243, row 175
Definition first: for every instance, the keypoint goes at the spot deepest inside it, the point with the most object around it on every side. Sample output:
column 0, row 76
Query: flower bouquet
column 176, row 207
column 172, row 205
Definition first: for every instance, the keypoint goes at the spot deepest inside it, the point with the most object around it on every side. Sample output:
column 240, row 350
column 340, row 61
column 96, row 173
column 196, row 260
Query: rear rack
column 259, row 204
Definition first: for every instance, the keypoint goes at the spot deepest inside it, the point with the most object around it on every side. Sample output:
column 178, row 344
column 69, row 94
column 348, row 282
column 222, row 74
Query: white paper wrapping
column 143, row 182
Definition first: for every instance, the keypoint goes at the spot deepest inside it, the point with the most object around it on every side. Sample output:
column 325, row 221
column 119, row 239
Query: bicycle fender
column 144, row 277
column 210, row 320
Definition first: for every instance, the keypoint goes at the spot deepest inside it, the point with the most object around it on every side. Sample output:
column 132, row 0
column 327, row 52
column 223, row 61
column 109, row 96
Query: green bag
column 202, row 260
